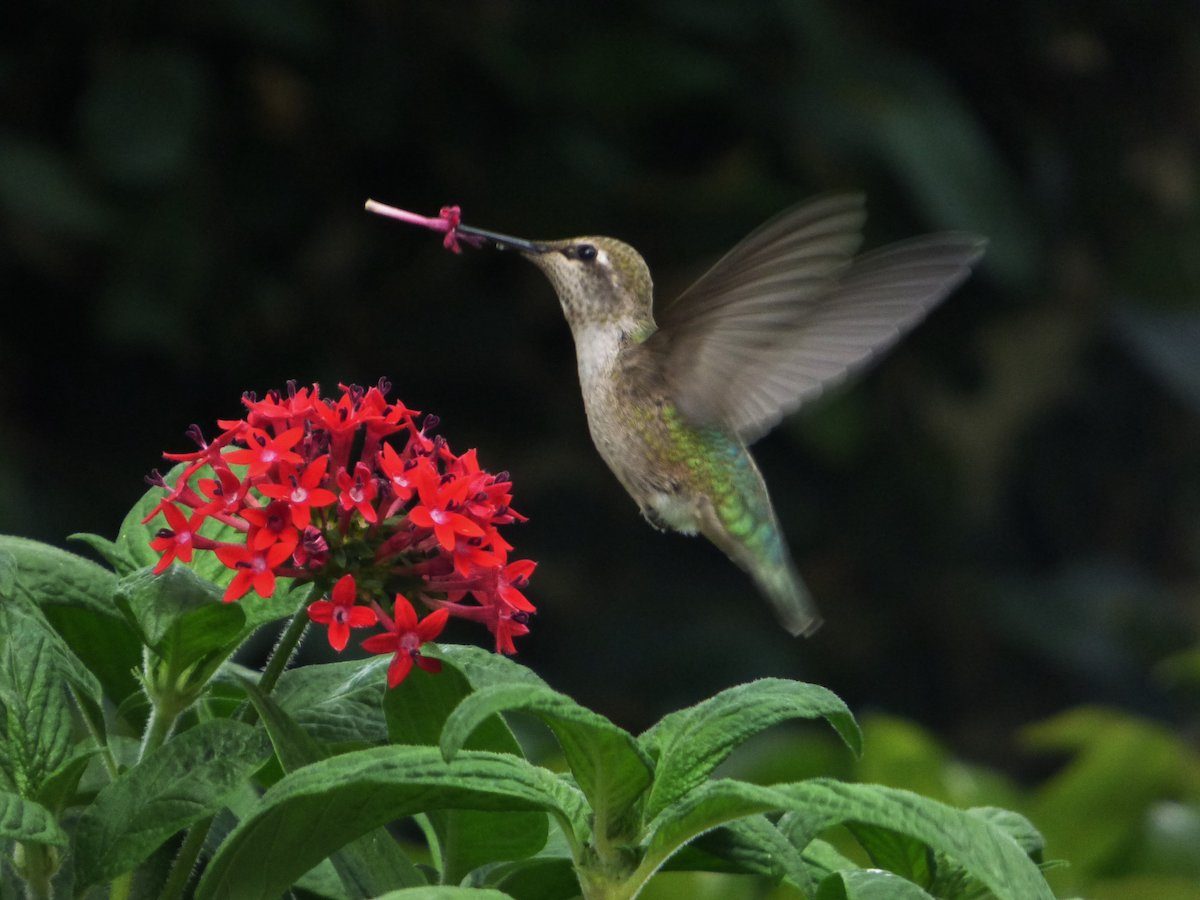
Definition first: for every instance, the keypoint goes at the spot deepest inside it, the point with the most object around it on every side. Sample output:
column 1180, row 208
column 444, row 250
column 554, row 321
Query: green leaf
column 987, row 852
column 58, row 789
column 539, row 878
column 821, row 857
column 1095, row 807
column 183, row 781
column 482, row 668
column 688, row 745
column 337, row 703
column 133, row 545
column 181, row 618
column 869, row 884
column 75, row 595
column 36, row 724
column 367, row 866
column 349, row 795
column 712, row 804
column 416, row 712
column 445, row 893
column 606, row 761
column 29, row 822
column 898, row 853
column 1016, row 826
column 752, row 845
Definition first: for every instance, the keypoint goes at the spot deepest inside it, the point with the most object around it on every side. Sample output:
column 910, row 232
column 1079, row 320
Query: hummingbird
column 675, row 400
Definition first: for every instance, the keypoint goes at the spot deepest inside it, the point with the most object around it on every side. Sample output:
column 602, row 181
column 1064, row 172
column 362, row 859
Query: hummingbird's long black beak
column 503, row 241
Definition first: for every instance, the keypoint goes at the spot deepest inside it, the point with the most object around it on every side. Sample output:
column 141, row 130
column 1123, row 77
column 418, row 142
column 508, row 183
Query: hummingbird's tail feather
column 794, row 606
column 743, row 525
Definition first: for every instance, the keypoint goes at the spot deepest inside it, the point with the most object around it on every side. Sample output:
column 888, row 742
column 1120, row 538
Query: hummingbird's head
column 600, row 281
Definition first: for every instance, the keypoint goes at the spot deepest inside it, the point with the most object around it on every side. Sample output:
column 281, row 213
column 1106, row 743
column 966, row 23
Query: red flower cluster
column 352, row 495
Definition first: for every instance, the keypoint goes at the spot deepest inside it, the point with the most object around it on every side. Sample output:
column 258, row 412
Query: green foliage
column 348, row 758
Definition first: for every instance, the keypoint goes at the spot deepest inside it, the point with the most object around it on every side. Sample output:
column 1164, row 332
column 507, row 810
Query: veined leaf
column 183, row 781
column 688, row 745
column 441, row 892
column 898, row 853
column 367, row 866
column 133, row 545
column 869, row 884
column 29, row 822
column 337, row 703
column 76, row 597
column 607, row 764
column 181, row 617
column 482, row 668
column 465, row 838
column 537, row 878
column 987, row 852
column 752, row 845
column 35, row 711
column 351, row 794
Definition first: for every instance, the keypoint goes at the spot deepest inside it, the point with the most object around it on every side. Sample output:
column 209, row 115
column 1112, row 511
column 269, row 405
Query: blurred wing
column 787, row 313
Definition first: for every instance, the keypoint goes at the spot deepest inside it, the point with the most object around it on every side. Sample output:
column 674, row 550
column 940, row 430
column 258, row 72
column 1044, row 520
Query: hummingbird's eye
column 586, row 252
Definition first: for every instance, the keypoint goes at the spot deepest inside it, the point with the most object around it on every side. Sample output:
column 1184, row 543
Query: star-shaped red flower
column 404, row 639
column 340, row 613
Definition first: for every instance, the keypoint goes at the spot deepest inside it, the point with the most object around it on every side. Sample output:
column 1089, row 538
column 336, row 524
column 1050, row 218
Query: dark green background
column 999, row 521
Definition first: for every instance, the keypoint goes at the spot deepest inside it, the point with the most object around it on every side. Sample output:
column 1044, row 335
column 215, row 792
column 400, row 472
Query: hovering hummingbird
column 674, row 402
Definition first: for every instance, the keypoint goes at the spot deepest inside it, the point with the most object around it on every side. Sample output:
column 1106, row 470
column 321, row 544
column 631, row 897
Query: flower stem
column 158, row 727
column 185, row 860
column 37, row 865
column 287, row 644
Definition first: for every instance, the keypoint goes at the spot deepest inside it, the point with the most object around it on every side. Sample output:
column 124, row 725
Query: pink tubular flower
column 352, row 491
column 341, row 614
column 404, row 638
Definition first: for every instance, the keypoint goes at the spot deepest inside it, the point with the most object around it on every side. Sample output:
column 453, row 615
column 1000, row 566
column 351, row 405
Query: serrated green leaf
column 416, row 713
column 869, row 884
column 439, row 892
column 183, row 781
column 75, row 595
column 607, row 764
column 688, row 745
column 356, row 792
column 337, row 703
column 367, row 866
column 27, row 821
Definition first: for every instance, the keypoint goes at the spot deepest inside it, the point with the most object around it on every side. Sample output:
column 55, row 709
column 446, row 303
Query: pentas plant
column 350, row 494
column 139, row 758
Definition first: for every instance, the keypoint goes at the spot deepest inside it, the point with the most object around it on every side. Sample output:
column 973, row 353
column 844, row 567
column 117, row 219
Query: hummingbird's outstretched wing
column 790, row 311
